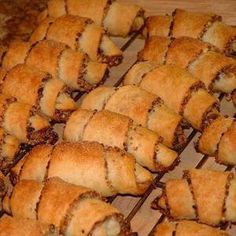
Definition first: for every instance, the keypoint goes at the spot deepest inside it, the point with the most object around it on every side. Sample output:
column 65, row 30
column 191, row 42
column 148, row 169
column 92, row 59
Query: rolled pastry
column 49, row 96
column 118, row 19
column 9, row 148
column 214, row 69
column 112, row 129
column 205, row 26
column 18, row 226
column 116, row 171
column 187, row 228
column 80, row 34
column 23, row 122
column 73, row 210
column 144, row 108
column 219, row 139
column 203, row 195
column 72, row 67
column 178, row 89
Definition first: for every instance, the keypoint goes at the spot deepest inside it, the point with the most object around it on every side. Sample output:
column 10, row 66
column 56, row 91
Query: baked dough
column 219, row 139
column 47, row 95
column 213, row 68
column 143, row 108
column 112, row 129
column 118, row 19
column 73, row 210
column 18, row 226
column 187, row 228
column 23, row 122
column 80, row 34
column 205, row 26
column 116, row 171
column 58, row 60
column 178, row 89
column 203, row 195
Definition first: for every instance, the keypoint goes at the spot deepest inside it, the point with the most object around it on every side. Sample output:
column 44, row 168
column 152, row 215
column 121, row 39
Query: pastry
column 80, row 34
column 73, row 210
column 201, row 59
column 59, row 60
column 190, row 96
column 144, row 108
column 47, row 95
column 207, row 27
column 219, row 139
column 18, row 226
column 203, row 195
column 116, row 171
column 23, row 122
column 112, row 129
column 118, row 19
column 187, row 228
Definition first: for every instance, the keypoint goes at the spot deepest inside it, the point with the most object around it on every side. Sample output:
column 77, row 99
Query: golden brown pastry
column 9, row 148
column 18, row 226
column 23, row 122
column 80, row 34
column 118, row 19
column 187, row 228
column 219, row 139
column 36, row 88
column 112, row 129
column 203, row 195
column 178, row 89
column 72, row 67
column 72, row 209
column 116, row 171
column 144, row 108
column 207, row 27
column 214, row 69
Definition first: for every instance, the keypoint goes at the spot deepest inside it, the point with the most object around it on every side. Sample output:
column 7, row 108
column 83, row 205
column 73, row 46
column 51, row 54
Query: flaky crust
column 187, row 228
column 59, row 204
column 191, row 24
column 208, row 197
column 18, row 226
column 158, row 26
column 144, row 108
column 155, row 49
column 86, row 159
column 218, row 139
column 116, row 130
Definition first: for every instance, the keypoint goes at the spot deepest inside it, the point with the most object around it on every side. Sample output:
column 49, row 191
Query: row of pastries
column 117, row 138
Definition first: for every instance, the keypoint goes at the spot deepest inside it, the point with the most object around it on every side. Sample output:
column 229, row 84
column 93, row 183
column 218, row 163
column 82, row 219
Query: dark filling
column 180, row 138
column 111, row 60
column 62, row 116
column 230, row 48
column 44, row 136
column 3, row 187
column 172, row 24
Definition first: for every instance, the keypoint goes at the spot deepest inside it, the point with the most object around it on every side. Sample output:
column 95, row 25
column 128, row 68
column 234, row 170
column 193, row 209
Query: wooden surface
column 144, row 220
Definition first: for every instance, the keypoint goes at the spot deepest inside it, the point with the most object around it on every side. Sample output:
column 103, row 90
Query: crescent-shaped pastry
column 214, row 69
column 58, row 60
column 142, row 107
column 190, row 97
column 205, row 26
column 219, row 139
column 112, row 129
column 18, row 226
column 187, row 228
column 203, row 195
column 80, row 34
column 118, row 19
column 23, row 122
column 73, row 210
column 49, row 96
column 116, row 171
